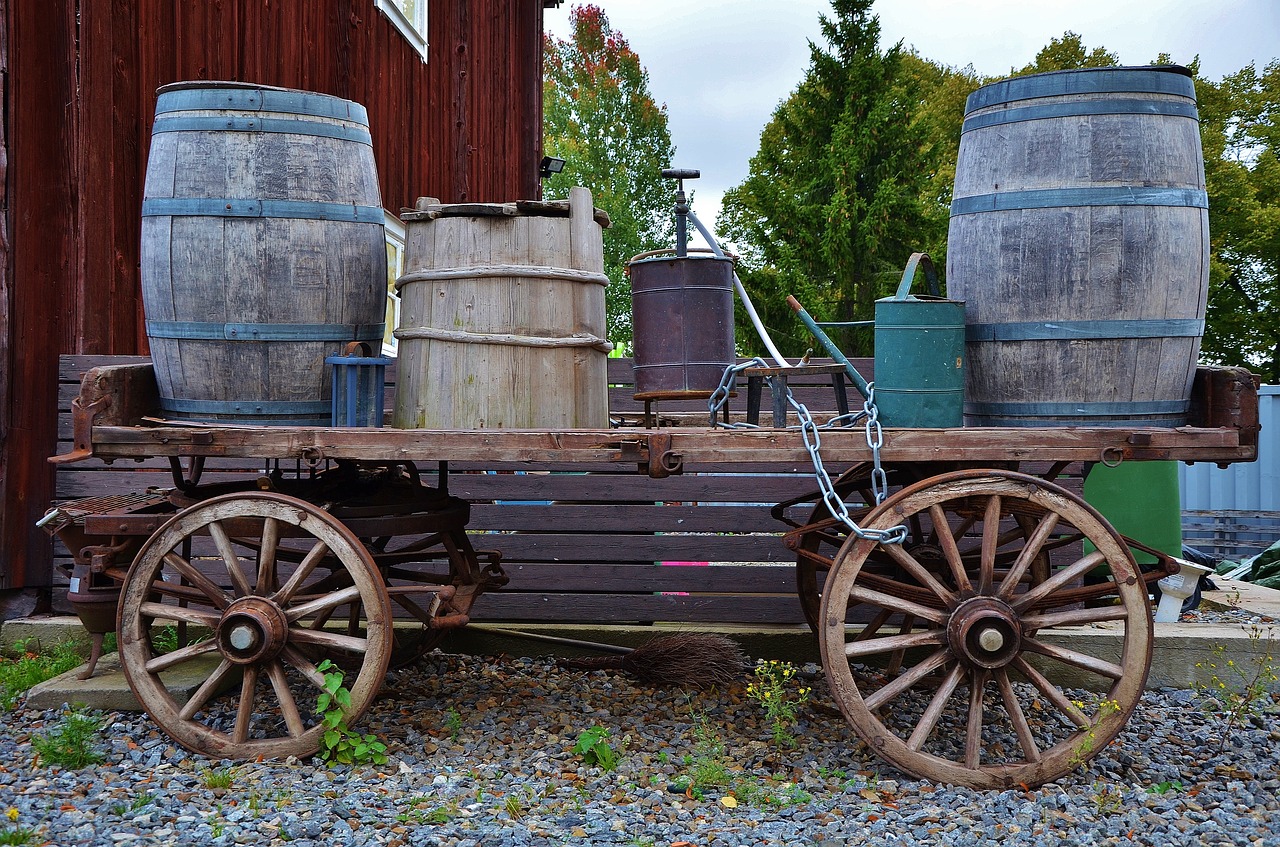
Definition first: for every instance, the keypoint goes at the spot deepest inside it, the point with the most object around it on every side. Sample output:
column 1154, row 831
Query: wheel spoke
column 873, row 626
column 267, row 557
column 897, row 604
column 990, row 542
column 1093, row 664
column 950, row 549
column 1029, row 552
column 207, row 587
column 304, row 666
column 1074, row 617
column 973, row 733
column 895, row 661
column 908, row 679
column 206, row 690
column 336, row 641
column 163, row 611
column 1051, row 691
column 921, row 575
column 244, row 712
column 288, row 706
column 328, row 602
column 183, row 654
column 1013, row 708
column 1069, row 574
column 230, row 559
column 304, row 570
column 875, row 646
column 931, row 715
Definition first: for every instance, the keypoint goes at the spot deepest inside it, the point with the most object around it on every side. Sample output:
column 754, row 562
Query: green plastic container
column 1141, row 500
column 919, row 354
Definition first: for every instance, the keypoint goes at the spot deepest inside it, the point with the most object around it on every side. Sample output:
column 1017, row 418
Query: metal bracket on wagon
column 82, row 418
column 652, row 454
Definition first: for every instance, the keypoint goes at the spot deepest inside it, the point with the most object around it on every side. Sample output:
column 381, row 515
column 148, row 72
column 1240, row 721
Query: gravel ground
column 482, row 754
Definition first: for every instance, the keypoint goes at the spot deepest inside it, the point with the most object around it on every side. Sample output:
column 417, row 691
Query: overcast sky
column 722, row 66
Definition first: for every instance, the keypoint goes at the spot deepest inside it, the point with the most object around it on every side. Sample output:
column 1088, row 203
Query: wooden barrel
column 263, row 250
column 502, row 317
column 1079, row 241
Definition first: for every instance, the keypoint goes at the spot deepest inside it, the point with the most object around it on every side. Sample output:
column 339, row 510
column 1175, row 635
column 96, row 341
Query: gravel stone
column 505, row 775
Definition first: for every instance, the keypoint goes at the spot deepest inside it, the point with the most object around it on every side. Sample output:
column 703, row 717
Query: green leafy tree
column 1241, row 137
column 1066, row 54
column 938, row 116
column 832, row 205
column 599, row 116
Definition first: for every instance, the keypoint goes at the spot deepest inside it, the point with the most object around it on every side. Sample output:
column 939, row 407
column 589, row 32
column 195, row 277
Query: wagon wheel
column 1005, row 722
column 261, row 627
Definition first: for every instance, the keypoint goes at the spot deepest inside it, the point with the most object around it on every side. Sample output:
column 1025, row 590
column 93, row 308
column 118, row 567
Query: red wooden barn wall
column 79, row 82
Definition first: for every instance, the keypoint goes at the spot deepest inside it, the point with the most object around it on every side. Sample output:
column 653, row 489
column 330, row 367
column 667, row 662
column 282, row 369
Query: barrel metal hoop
column 237, row 207
column 1048, row 198
column 434, row 334
column 1086, row 108
column 248, row 407
column 261, row 100
column 213, row 331
column 1054, row 410
column 498, row 271
column 1090, row 81
column 287, row 126
column 1070, row 330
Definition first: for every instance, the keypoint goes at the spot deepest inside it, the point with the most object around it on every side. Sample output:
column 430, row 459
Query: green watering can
column 919, row 353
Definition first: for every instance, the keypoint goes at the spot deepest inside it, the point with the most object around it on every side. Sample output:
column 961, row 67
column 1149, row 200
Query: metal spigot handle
column 682, row 207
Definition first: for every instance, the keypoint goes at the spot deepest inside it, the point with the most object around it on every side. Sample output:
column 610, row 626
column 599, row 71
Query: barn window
column 395, row 265
column 410, row 17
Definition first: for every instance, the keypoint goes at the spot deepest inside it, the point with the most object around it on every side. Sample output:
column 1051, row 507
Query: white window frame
column 396, row 242
column 414, row 31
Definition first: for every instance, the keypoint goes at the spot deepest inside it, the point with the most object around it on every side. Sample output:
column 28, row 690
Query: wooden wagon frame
column 266, row 579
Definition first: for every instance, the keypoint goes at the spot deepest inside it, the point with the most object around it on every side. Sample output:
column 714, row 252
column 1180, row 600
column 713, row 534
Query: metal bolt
column 990, row 639
column 242, row 637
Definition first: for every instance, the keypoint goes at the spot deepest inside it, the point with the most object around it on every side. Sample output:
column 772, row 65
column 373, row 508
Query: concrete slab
column 1185, row 655
column 108, row 690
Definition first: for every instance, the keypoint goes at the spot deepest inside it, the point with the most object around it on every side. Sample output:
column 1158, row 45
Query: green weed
column 340, row 744
column 18, row 674
column 218, row 778
column 1242, row 688
column 594, row 750
column 19, row 836
column 774, row 688
column 71, row 743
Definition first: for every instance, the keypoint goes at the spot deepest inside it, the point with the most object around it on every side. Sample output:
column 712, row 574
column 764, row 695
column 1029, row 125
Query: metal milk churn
column 682, row 315
column 919, row 354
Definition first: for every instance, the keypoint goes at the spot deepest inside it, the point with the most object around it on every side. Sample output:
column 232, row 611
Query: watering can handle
column 909, row 275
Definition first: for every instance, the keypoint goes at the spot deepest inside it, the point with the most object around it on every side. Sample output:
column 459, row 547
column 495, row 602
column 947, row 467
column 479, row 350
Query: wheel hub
column 985, row 632
column 252, row 629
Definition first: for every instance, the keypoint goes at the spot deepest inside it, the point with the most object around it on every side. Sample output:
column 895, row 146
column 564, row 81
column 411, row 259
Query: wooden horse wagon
column 315, row 558
column 937, row 563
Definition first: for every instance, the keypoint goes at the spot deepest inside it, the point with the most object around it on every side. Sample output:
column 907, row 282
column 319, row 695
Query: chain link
column 810, row 433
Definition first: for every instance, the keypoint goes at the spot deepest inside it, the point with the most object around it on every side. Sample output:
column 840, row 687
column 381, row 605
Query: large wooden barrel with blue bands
column 1079, row 242
column 263, row 250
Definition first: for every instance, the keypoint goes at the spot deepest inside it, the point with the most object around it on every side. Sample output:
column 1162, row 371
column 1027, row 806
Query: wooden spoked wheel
column 962, row 693
column 262, row 616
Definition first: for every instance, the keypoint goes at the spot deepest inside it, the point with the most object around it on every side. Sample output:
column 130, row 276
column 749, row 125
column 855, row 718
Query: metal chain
column 809, row 431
